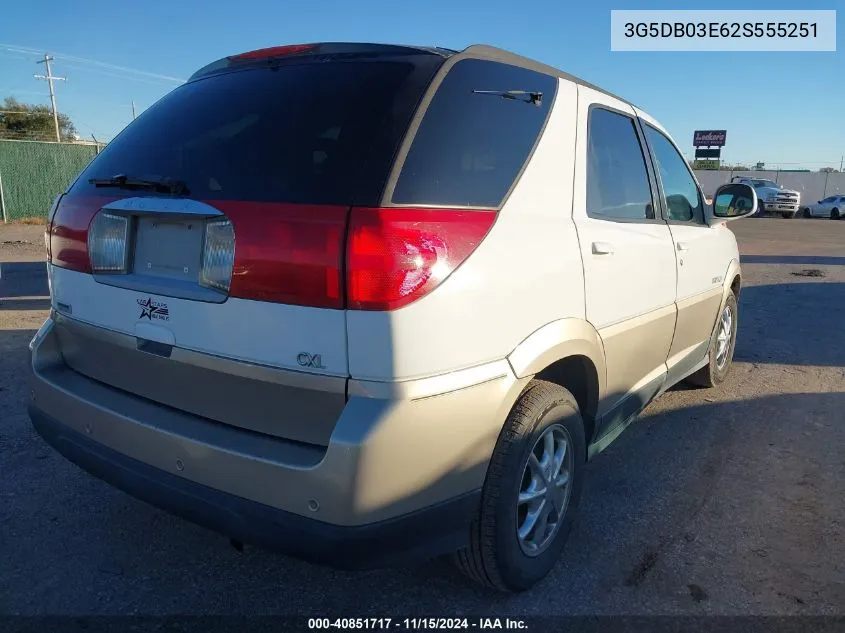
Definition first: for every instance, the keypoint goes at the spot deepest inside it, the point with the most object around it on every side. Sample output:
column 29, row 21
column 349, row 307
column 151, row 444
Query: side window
column 617, row 180
column 682, row 199
column 475, row 136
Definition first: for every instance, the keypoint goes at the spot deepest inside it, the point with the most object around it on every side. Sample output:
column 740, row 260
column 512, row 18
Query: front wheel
column 721, row 353
column 532, row 491
column 807, row 213
column 834, row 214
column 761, row 209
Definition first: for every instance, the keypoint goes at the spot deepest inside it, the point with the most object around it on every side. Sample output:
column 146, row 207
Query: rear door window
column 617, row 180
column 297, row 133
column 475, row 136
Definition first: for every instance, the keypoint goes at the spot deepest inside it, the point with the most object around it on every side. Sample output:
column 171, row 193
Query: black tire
column 495, row 557
column 712, row 374
column 761, row 209
column 787, row 215
column 834, row 214
column 807, row 213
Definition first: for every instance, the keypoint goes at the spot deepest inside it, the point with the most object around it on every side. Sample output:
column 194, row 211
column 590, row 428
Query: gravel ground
column 726, row 501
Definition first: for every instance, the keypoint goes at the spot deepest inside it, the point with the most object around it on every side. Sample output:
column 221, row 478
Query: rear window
column 297, row 133
column 473, row 141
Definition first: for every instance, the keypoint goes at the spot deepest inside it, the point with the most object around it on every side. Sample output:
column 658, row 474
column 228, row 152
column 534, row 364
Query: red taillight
column 294, row 254
column 397, row 255
column 273, row 51
column 287, row 253
column 68, row 231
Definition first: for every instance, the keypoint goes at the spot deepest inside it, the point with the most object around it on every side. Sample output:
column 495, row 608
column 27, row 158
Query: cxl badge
column 310, row 360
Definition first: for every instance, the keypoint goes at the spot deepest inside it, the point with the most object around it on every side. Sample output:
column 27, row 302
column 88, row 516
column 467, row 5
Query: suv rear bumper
column 399, row 480
column 413, row 537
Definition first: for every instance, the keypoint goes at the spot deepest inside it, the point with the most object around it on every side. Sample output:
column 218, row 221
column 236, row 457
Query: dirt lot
column 724, row 501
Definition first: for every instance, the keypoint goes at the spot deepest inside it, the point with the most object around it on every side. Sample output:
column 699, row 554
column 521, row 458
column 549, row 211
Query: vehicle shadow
column 23, row 286
column 817, row 260
column 792, row 323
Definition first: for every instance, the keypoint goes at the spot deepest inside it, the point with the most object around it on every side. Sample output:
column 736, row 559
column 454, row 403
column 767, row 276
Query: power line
column 93, row 62
column 50, row 78
column 108, row 73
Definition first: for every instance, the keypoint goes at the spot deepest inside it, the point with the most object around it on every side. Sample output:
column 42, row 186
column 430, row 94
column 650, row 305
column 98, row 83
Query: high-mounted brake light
column 274, row 51
column 397, row 255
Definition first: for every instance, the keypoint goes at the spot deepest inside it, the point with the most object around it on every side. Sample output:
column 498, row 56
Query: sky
column 777, row 107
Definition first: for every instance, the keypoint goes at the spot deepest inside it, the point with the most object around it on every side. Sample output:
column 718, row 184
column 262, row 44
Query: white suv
column 370, row 304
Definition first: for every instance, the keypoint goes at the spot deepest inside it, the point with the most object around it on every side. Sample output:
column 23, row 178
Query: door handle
column 683, row 246
column 602, row 248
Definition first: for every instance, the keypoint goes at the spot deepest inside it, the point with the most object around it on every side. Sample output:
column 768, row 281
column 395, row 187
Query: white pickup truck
column 772, row 197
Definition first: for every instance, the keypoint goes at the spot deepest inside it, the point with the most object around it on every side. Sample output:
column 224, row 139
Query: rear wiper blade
column 518, row 95
column 122, row 181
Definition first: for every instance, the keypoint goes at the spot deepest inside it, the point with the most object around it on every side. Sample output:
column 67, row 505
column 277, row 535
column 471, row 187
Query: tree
column 29, row 122
column 829, row 170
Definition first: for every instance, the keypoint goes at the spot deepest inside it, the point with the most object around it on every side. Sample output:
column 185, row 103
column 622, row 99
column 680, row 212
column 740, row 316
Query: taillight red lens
column 287, row 253
column 274, row 51
column 397, row 255
column 68, row 231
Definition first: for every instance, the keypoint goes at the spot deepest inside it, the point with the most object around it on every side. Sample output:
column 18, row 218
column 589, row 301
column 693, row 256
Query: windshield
column 297, row 134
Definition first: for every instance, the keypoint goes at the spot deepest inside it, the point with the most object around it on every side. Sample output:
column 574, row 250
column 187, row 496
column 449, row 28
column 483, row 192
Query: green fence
column 33, row 173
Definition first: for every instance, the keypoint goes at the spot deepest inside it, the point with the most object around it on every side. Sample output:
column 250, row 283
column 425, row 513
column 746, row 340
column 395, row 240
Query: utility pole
column 50, row 79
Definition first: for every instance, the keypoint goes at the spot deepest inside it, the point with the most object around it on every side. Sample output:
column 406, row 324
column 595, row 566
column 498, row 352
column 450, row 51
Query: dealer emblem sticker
column 153, row 310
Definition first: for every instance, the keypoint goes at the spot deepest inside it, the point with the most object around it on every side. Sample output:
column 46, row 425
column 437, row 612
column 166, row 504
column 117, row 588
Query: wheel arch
column 732, row 283
column 567, row 352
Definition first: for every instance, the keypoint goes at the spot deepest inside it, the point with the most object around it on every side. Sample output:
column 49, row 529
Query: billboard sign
column 705, row 164
column 708, row 152
column 709, row 138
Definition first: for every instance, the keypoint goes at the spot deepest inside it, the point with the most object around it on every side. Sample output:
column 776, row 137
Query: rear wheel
column 721, row 351
column 834, row 214
column 532, row 491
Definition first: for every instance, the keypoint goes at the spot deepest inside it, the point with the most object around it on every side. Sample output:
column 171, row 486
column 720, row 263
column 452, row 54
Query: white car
column 369, row 304
column 832, row 207
column 773, row 197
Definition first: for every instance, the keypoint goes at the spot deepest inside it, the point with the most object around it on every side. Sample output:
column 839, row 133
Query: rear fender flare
column 732, row 272
column 557, row 340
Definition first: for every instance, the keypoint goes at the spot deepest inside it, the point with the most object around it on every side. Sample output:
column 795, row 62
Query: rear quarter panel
column 526, row 273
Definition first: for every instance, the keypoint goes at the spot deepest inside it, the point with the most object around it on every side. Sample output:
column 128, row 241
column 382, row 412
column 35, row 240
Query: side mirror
column 733, row 201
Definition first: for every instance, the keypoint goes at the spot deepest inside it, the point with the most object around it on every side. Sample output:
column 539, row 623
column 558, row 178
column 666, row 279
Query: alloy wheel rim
column 723, row 339
column 544, row 490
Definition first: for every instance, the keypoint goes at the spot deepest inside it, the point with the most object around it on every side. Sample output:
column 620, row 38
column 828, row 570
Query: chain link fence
column 33, row 173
